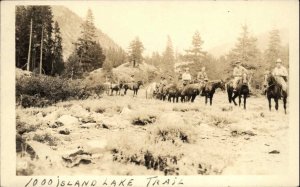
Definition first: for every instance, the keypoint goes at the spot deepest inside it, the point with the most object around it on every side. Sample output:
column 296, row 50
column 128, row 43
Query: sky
column 218, row 22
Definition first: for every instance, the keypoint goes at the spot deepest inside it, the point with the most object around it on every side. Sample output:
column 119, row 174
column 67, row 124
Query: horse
column 173, row 92
column 190, row 92
column 151, row 90
column 107, row 87
column 275, row 91
column 241, row 90
column 210, row 88
column 116, row 87
column 132, row 86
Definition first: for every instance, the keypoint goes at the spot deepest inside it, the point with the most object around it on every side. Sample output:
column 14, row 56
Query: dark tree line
column 88, row 54
column 45, row 52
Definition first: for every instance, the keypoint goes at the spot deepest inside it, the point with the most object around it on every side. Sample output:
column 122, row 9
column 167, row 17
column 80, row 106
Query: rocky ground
column 125, row 135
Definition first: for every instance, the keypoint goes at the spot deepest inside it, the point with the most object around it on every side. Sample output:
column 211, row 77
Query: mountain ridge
column 69, row 23
column 262, row 43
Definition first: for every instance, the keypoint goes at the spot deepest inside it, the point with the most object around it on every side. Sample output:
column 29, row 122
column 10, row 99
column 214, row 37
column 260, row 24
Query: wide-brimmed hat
column 278, row 60
column 132, row 75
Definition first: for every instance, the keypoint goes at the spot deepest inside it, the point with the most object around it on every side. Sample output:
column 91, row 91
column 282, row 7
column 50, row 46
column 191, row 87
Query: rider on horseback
column 238, row 73
column 132, row 80
column 280, row 73
column 162, row 84
column 202, row 78
column 265, row 83
column 186, row 77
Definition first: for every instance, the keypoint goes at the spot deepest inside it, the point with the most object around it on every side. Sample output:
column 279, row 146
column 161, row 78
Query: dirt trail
column 125, row 135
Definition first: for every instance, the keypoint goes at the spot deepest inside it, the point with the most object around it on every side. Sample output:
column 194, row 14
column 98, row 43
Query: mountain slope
column 262, row 43
column 70, row 23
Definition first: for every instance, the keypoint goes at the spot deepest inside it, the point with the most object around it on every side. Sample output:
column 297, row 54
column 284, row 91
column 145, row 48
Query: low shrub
column 46, row 138
column 40, row 90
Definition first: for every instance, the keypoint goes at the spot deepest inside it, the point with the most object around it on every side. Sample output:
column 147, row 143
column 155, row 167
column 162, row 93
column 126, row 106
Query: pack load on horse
column 239, row 86
column 161, row 88
column 110, row 85
column 152, row 90
column 277, row 85
column 116, row 87
column 132, row 85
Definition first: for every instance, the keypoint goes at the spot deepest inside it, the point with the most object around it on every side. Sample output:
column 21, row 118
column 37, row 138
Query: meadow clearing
column 125, row 135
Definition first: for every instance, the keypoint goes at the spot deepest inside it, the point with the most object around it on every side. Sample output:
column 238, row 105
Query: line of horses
column 175, row 92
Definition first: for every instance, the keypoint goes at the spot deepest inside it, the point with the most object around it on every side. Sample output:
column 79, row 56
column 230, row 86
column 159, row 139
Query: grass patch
column 186, row 108
column 46, row 138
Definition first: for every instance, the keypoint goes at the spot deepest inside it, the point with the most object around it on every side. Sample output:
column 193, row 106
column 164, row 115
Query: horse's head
column 140, row 83
column 222, row 85
column 121, row 84
column 269, row 79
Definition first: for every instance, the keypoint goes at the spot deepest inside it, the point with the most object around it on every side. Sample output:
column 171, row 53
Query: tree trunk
column 41, row 57
column 29, row 49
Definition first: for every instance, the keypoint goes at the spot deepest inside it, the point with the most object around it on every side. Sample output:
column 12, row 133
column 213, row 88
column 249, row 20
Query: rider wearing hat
column 202, row 75
column 186, row 77
column 202, row 78
column 132, row 80
column 238, row 72
column 281, row 74
column 162, row 83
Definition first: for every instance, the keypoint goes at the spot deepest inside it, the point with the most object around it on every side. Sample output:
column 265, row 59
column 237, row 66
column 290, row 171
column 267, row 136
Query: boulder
column 68, row 120
column 88, row 125
column 76, row 158
column 64, row 131
column 95, row 146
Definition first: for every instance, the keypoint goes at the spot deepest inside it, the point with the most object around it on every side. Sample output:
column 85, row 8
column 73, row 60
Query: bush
column 40, row 91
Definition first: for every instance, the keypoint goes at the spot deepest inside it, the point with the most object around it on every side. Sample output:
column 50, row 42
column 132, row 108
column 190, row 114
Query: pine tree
column 42, row 19
column 246, row 50
column 115, row 57
column 135, row 52
column 22, row 26
column 275, row 50
column 196, row 54
column 88, row 49
column 73, row 69
column 57, row 66
column 168, row 57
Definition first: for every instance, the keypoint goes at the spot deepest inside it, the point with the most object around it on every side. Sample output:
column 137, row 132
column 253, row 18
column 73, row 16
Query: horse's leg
column 211, row 98
column 245, row 98
column 284, row 103
column 240, row 99
column 276, row 103
column 270, row 103
column 229, row 93
column 205, row 99
column 233, row 98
